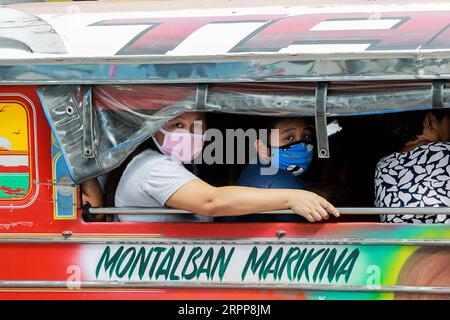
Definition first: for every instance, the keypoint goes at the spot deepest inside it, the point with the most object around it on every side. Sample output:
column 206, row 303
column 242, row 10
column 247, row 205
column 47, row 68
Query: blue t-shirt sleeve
column 251, row 177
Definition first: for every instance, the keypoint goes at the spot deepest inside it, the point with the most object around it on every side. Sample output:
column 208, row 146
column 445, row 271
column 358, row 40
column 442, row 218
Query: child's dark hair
column 269, row 122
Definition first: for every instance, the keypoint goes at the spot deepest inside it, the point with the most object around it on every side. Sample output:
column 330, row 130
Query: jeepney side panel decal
column 240, row 258
column 288, row 33
column 335, row 265
column 261, row 262
column 261, row 30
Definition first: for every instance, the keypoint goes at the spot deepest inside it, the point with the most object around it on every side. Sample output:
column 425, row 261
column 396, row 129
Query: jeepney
column 83, row 84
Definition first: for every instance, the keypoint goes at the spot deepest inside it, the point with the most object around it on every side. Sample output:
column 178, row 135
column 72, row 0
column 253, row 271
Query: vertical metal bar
column 201, row 96
column 321, row 120
column 88, row 141
column 437, row 88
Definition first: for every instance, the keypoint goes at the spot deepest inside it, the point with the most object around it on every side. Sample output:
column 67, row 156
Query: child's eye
column 290, row 138
column 307, row 137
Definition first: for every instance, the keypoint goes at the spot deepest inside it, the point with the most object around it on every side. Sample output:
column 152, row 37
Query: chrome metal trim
column 417, row 55
column 237, row 241
column 273, row 69
column 223, row 285
column 352, row 211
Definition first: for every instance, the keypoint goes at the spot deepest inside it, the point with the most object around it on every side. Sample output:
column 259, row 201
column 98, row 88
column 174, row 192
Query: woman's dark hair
column 406, row 126
column 114, row 176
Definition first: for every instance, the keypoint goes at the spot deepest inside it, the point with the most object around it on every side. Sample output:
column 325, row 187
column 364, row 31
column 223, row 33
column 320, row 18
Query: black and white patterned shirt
column 417, row 178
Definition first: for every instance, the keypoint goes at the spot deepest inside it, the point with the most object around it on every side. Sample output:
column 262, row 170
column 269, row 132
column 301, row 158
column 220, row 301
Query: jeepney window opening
column 126, row 115
column 349, row 173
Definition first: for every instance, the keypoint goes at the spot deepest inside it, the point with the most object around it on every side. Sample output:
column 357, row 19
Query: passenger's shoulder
column 150, row 159
column 439, row 146
column 436, row 149
column 386, row 161
column 152, row 155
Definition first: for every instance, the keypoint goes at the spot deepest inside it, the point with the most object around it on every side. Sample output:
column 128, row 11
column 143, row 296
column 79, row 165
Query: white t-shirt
column 148, row 181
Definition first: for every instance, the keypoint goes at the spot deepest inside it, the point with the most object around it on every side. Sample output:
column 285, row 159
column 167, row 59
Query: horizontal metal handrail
column 130, row 240
column 222, row 285
column 349, row 211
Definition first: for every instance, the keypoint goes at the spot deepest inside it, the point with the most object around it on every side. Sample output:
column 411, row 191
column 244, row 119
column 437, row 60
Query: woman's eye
column 307, row 137
column 178, row 125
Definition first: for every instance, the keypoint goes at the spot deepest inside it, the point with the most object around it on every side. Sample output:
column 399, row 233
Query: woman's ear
column 430, row 127
column 262, row 150
column 159, row 137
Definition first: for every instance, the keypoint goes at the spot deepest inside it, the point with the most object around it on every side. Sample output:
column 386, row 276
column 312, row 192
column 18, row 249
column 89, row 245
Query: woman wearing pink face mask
column 157, row 177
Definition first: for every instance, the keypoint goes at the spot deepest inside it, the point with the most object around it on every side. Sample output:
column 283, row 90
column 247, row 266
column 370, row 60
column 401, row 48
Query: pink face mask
column 184, row 146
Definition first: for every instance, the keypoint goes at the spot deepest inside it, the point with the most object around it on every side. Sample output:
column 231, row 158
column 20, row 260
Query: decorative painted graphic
column 293, row 29
column 14, row 152
column 286, row 33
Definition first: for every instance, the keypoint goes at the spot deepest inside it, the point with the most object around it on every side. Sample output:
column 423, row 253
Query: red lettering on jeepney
column 165, row 34
column 441, row 41
column 415, row 30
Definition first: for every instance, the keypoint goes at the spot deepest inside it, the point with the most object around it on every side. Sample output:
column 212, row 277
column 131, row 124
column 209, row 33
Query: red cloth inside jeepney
column 292, row 88
column 141, row 97
column 266, row 88
column 158, row 96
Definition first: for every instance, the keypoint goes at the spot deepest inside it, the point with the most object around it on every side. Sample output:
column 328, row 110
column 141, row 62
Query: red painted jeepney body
column 46, row 256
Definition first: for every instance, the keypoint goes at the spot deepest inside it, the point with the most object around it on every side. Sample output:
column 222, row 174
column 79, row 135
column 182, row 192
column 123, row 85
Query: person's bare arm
column 199, row 197
column 92, row 193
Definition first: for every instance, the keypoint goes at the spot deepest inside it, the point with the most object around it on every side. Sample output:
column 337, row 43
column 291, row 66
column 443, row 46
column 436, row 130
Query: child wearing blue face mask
column 284, row 158
column 281, row 161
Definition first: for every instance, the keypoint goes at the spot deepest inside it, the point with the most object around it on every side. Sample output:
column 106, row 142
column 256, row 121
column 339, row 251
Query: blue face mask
column 294, row 157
